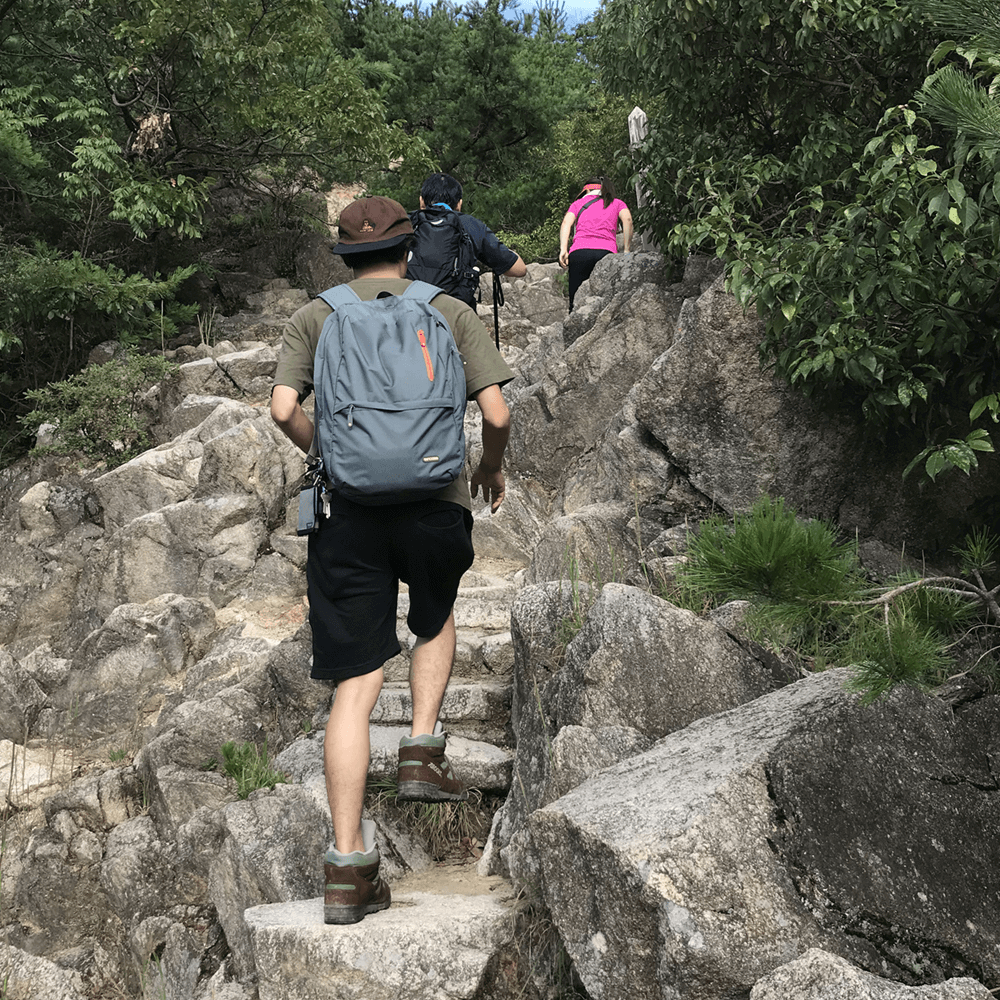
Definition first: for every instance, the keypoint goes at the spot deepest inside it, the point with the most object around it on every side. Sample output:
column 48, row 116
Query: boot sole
column 351, row 914
column 427, row 791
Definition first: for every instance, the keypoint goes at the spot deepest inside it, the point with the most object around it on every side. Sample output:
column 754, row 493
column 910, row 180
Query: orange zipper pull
column 427, row 357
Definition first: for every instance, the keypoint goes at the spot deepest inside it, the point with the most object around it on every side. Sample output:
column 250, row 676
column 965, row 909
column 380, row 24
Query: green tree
column 482, row 86
column 754, row 100
column 157, row 91
column 864, row 232
column 117, row 121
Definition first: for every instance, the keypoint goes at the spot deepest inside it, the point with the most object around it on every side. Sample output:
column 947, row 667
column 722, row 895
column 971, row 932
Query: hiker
column 360, row 551
column 450, row 243
column 597, row 214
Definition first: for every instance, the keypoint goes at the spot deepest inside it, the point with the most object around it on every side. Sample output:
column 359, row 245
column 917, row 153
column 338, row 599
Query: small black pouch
column 309, row 509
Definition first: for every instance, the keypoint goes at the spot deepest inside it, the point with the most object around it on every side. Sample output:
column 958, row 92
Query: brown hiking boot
column 426, row 775
column 353, row 890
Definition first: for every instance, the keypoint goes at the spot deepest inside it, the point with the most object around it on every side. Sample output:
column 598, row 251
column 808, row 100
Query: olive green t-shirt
column 484, row 366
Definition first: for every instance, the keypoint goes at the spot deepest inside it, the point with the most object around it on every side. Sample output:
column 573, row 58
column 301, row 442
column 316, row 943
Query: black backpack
column 444, row 255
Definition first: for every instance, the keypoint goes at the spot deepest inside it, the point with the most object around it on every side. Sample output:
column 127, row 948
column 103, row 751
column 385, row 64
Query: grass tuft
column 248, row 766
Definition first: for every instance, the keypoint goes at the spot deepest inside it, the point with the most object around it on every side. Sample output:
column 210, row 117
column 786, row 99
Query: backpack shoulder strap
column 421, row 291
column 583, row 208
column 339, row 295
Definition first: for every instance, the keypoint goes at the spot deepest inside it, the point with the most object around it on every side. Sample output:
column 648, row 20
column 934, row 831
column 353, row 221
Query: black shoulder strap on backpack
column 583, row 208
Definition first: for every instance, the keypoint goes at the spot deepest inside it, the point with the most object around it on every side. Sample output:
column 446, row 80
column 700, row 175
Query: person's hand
column 564, row 258
column 494, row 486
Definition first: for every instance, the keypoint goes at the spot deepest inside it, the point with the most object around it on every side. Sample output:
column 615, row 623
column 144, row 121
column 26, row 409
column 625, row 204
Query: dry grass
column 450, row 831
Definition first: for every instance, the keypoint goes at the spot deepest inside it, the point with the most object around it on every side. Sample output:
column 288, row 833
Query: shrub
column 898, row 650
column 769, row 554
column 810, row 597
column 99, row 411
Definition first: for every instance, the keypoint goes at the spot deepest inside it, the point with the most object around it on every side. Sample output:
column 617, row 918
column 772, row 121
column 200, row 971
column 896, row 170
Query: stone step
column 435, row 942
column 471, row 612
column 487, row 585
column 478, row 654
column 478, row 710
column 476, row 583
column 479, row 764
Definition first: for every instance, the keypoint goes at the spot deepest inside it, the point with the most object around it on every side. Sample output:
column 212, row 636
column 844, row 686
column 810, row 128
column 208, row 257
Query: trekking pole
column 497, row 303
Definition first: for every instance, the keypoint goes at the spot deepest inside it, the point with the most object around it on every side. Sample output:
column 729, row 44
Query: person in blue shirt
column 450, row 243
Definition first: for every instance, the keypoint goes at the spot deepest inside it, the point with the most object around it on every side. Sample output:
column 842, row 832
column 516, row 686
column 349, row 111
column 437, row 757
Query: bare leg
column 430, row 668
column 346, row 752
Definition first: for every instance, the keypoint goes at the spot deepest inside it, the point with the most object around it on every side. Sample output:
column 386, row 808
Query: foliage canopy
column 801, row 143
column 484, row 86
column 116, row 123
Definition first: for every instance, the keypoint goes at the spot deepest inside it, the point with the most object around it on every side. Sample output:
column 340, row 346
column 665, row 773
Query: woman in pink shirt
column 597, row 214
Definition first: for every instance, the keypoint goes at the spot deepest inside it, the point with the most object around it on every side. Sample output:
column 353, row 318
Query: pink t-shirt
column 597, row 226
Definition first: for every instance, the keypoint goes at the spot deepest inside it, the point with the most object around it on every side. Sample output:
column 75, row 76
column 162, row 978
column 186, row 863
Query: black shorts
column 356, row 561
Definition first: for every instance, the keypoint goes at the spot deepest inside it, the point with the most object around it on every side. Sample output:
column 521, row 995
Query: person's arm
column 496, row 431
column 516, row 270
column 626, row 220
column 287, row 413
column 564, row 230
column 496, row 255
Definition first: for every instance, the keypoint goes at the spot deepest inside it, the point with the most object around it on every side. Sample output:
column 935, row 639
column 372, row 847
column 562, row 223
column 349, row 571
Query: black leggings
column 581, row 263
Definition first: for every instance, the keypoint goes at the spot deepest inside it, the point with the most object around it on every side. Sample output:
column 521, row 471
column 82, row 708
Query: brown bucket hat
column 372, row 224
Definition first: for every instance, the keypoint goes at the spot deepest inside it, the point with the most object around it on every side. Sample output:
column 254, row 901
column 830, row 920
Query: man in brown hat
column 360, row 553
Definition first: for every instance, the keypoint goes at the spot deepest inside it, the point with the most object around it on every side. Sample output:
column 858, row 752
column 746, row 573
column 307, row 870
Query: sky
column 579, row 10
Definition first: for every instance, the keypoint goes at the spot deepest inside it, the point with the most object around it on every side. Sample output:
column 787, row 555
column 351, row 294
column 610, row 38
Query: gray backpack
column 390, row 397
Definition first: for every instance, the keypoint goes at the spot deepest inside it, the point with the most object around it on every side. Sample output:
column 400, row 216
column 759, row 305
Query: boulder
column 97, row 802
column 192, row 734
column 170, row 954
column 560, row 417
column 635, row 668
column 53, row 898
column 124, row 670
column 202, row 547
column 49, row 509
column 316, row 268
column 31, row 977
column 241, row 375
column 737, row 433
column 593, row 544
column 233, row 660
column 154, row 479
column 818, row 975
column 52, row 529
column 697, row 856
column 272, row 851
column 278, row 297
column 193, row 410
column 642, row 663
column 507, row 537
column 535, row 296
column 252, row 457
column 628, row 466
column 540, row 615
column 175, row 794
column 33, row 773
column 888, row 823
column 21, row 700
